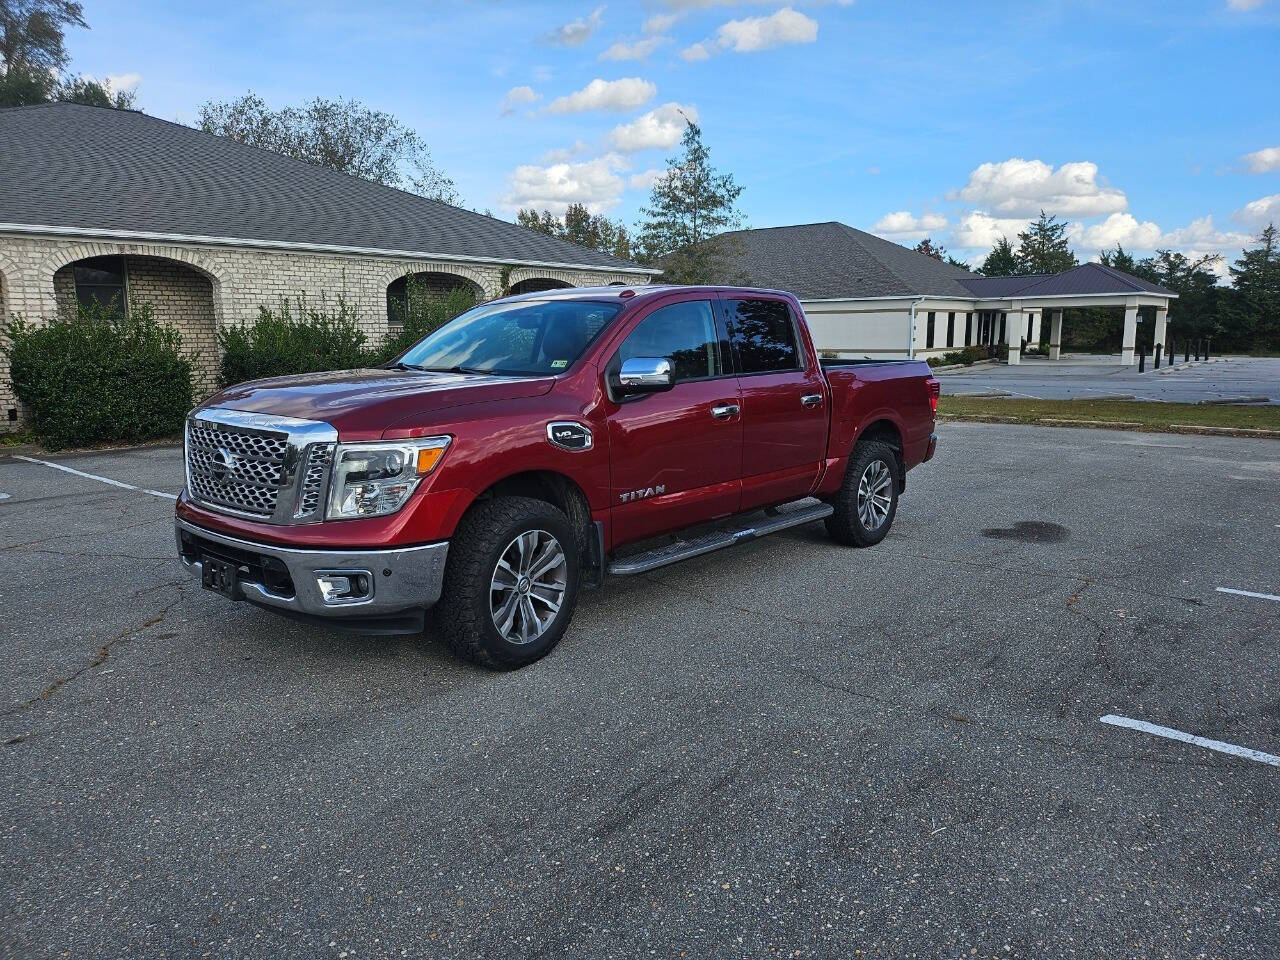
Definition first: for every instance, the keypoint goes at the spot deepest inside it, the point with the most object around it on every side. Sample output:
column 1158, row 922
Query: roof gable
column 820, row 261
column 72, row 166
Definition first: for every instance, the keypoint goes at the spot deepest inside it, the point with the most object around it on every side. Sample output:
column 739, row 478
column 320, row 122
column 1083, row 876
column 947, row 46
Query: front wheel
column 511, row 582
column 868, row 499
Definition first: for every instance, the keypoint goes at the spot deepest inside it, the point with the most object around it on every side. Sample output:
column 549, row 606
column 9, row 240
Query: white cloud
column 575, row 34
column 660, row 22
column 1022, row 188
column 624, row 94
column 637, row 50
column 122, row 82
column 646, row 178
column 981, row 230
column 696, row 52
column 518, row 96
column 594, row 183
column 660, row 127
column 1265, row 160
column 564, row 154
column 748, row 35
column 902, row 225
column 1260, row 212
column 1122, row 228
column 1243, row 4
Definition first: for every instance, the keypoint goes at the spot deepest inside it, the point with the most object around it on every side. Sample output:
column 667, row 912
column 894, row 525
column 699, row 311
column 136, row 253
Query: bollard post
column 1142, row 358
column 1156, row 358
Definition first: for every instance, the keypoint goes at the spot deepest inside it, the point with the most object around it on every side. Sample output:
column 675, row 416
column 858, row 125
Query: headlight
column 374, row 479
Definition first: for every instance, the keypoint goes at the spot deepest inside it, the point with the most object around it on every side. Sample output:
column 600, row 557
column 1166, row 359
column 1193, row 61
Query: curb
column 1191, row 428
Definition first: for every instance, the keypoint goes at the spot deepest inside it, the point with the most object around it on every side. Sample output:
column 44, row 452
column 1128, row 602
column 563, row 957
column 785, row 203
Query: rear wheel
column 511, row 582
column 868, row 499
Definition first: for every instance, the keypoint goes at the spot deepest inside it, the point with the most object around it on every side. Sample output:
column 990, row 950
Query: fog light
column 345, row 586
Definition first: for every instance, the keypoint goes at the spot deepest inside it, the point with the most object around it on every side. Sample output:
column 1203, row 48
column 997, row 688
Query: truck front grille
column 234, row 468
column 314, row 481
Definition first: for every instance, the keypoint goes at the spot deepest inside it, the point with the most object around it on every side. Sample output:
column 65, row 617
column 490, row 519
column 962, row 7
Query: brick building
column 112, row 203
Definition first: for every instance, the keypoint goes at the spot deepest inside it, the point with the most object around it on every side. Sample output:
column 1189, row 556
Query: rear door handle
column 811, row 399
column 723, row 411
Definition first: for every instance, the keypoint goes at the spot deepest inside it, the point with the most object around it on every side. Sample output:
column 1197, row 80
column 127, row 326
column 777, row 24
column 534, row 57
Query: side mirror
column 645, row 375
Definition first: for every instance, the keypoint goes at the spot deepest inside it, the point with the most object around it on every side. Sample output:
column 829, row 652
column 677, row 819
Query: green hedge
column 303, row 337
column 968, row 356
column 99, row 376
column 294, row 338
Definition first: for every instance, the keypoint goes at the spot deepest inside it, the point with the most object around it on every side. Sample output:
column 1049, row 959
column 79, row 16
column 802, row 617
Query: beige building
column 117, row 204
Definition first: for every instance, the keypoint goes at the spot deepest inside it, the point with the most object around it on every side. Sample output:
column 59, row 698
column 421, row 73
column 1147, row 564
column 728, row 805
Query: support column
column 1035, row 329
column 1014, row 328
column 1055, row 335
column 1130, row 340
column 1162, row 317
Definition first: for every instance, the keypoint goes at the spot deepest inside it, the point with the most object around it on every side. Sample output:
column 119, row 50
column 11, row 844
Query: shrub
column 100, row 376
column 420, row 314
column 968, row 356
column 294, row 338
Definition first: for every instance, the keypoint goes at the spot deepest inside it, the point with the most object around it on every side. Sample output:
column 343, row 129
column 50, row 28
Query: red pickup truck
column 535, row 444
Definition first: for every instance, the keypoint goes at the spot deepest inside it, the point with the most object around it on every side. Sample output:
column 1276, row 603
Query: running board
column 717, row 540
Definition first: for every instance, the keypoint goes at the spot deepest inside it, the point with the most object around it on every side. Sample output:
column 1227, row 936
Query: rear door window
column 763, row 335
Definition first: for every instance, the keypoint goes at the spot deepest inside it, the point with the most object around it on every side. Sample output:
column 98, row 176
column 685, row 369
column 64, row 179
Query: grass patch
column 1149, row 416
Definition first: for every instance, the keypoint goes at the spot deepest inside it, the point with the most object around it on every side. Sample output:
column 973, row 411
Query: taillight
column 935, row 389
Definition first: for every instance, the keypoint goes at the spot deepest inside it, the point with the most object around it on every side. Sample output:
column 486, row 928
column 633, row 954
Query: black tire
column 464, row 614
column 846, row 526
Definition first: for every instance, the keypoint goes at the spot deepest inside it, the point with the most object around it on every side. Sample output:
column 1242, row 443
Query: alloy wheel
column 528, row 586
column 875, row 495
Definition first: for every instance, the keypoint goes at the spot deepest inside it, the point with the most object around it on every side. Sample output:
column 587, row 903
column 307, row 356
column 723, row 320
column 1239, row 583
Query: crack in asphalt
column 101, row 656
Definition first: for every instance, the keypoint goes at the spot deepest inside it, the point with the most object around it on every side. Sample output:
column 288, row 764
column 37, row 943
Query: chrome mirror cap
column 645, row 375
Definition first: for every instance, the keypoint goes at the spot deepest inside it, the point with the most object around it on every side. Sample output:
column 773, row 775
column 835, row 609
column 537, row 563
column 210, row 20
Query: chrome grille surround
column 252, row 464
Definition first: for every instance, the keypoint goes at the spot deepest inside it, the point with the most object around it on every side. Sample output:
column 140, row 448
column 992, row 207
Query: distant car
column 508, row 459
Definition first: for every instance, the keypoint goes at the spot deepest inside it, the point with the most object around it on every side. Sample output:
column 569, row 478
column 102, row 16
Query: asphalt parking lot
column 788, row 749
column 1256, row 379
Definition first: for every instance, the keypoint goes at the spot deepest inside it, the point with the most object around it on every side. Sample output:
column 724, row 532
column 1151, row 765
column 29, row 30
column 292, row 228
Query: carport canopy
column 1088, row 285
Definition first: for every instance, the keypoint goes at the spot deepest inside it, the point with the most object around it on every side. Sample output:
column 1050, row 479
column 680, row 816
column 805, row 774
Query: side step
column 716, row 540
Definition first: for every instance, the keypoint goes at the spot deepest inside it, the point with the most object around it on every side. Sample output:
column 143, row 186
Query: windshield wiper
column 401, row 365
column 487, row 373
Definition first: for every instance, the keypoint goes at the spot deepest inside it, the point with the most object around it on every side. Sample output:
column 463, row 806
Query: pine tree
column 690, row 206
column 1001, row 261
column 1119, row 259
column 1254, row 316
column 1043, row 247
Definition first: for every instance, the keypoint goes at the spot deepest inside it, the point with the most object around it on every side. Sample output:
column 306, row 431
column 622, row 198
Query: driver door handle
column 811, row 399
column 723, row 411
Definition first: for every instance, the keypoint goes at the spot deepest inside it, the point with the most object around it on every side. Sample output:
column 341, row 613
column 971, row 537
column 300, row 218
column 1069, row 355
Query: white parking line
column 1249, row 593
column 94, row 476
column 1171, row 734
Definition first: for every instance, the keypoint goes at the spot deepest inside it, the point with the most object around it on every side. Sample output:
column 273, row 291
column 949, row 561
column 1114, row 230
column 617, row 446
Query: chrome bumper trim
column 409, row 578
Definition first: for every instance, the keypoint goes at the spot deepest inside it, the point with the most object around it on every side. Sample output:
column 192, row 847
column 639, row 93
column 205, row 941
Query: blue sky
column 1153, row 124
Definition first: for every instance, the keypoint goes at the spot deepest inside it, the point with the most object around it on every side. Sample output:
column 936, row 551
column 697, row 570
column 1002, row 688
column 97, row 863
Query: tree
column 1253, row 318
column 1119, row 259
column 91, row 93
column 1043, row 247
column 579, row 226
column 956, row 262
column 20, row 87
column 690, row 205
column 339, row 134
column 927, row 248
column 31, row 34
column 1001, row 261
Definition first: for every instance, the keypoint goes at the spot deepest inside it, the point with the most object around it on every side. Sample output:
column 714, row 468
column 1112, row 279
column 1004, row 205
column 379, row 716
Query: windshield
column 534, row 337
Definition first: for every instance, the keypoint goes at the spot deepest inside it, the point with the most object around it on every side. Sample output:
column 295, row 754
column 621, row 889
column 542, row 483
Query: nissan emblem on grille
column 235, row 469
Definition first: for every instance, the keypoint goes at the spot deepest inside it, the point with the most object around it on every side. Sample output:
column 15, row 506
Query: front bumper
column 401, row 583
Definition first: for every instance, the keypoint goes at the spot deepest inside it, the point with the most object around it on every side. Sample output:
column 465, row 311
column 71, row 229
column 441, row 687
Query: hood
column 368, row 401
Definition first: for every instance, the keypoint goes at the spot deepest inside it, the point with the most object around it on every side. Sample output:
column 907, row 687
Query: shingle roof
column 820, row 261
column 832, row 261
column 1088, row 278
column 66, row 165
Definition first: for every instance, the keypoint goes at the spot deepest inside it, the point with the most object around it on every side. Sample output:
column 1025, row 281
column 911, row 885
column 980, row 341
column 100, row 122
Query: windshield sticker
column 558, row 364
